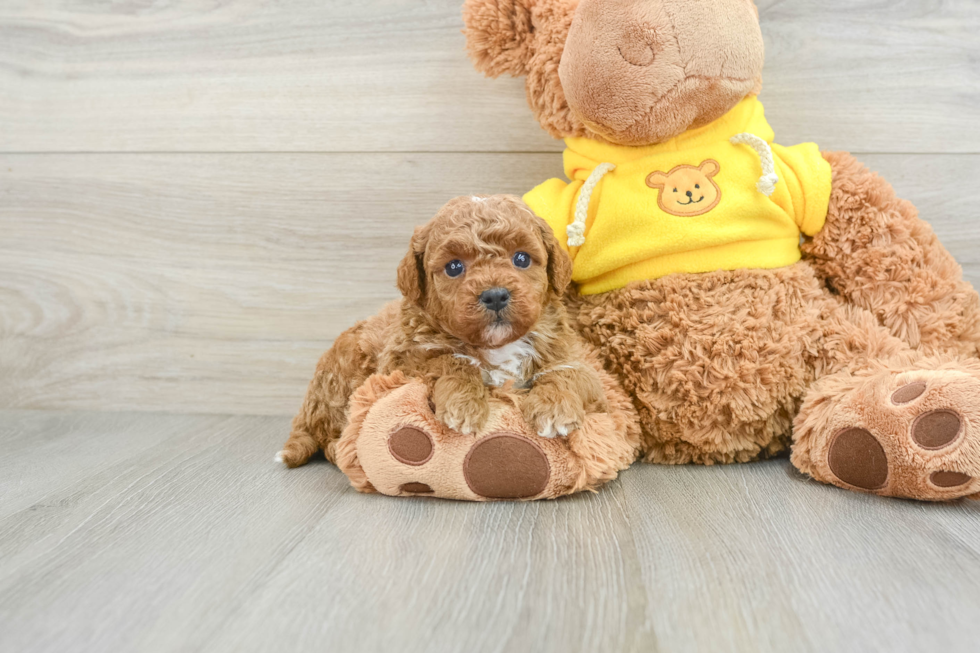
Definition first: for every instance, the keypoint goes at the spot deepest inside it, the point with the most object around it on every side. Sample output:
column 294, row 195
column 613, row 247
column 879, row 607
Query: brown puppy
column 481, row 314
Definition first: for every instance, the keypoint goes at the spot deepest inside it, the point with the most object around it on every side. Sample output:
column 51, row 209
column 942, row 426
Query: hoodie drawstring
column 767, row 183
column 576, row 230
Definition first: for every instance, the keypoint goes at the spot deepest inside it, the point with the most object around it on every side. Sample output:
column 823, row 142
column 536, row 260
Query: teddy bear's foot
column 419, row 456
column 395, row 445
column 497, row 466
column 912, row 434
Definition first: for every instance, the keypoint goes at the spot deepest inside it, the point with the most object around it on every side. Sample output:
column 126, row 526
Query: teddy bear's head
column 633, row 72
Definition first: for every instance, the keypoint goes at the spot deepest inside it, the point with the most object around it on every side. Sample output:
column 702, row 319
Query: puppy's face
column 484, row 269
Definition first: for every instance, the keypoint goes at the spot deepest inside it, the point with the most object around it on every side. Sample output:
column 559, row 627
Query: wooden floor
column 152, row 532
column 197, row 197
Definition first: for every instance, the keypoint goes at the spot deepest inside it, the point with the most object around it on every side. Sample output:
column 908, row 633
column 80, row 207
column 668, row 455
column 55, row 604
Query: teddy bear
column 751, row 297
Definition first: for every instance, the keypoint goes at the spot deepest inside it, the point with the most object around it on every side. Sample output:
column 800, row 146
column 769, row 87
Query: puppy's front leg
column 460, row 397
column 557, row 403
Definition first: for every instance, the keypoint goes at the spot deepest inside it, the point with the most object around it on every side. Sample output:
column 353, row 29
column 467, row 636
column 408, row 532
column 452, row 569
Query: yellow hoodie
column 720, row 197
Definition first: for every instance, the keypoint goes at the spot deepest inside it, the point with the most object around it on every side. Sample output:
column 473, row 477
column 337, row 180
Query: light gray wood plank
column 870, row 76
column 181, row 532
column 392, row 75
column 212, row 283
column 47, row 453
column 249, row 75
column 763, row 559
column 201, row 543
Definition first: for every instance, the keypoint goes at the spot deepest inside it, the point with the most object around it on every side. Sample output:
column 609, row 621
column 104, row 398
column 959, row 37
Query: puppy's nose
column 495, row 299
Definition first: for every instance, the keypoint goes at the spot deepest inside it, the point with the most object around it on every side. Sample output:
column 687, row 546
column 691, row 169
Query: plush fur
column 465, row 353
column 590, row 456
column 736, row 366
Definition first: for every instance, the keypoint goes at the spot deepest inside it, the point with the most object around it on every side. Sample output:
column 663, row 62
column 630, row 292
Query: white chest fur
column 510, row 361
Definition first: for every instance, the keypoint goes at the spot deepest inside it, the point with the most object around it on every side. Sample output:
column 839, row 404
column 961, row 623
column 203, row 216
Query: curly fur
column 441, row 333
column 876, row 252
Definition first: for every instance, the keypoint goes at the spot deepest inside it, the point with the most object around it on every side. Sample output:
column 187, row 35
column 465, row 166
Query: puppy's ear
column 559, row 263
column 411, row 271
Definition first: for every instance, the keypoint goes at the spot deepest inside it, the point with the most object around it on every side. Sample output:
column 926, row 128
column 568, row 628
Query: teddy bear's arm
column 875, row 252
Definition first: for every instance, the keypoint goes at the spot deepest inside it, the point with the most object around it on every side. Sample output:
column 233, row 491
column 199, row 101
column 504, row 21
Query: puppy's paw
column 467, row 415
column 551, row 414
column 295, row 453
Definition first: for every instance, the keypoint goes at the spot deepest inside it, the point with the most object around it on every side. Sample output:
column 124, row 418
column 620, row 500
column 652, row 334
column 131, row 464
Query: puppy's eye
column 522, row 260
column 455, row 268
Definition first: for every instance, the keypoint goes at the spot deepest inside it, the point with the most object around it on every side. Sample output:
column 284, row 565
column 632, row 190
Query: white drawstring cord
column 576, row 230
column 767, row 183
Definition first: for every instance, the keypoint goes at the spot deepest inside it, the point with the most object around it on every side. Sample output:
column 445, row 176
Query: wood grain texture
column 392, row 75
column 212, row 283
column 315, row 136
column 185, row 536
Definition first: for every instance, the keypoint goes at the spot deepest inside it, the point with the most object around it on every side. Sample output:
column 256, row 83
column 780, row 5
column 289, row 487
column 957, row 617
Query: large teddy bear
column 750, row 297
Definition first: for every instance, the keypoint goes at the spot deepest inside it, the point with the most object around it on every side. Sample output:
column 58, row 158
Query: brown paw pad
column 936, row 429
column 857, row 458
column 506, row 466
column 908, row 393
column 410, row 445
column 949, row 479
column 416, row 488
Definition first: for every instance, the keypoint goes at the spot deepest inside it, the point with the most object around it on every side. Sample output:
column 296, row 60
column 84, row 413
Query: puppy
column 481, row 314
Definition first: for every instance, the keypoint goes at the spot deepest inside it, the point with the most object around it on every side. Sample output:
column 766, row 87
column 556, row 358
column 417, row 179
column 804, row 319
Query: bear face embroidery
column 687, row 191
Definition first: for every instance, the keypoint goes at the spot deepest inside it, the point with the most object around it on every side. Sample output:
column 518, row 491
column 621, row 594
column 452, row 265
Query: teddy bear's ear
column 499, row 35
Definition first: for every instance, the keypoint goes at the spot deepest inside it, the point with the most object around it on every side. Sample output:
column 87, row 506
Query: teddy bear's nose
column 637, row 45
column 690, row 194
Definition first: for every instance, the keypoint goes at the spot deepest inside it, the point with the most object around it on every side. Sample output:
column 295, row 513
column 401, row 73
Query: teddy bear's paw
column 917, row 438
column 396, row 445
column 497, row 466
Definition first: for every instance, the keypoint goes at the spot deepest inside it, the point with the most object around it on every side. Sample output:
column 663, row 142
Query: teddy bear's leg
column 715, row 363
column 395, row 445
column 879, row 255
column 887, row 419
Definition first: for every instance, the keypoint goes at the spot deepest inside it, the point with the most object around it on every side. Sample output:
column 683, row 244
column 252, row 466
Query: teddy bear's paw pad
column 857, row 458
column 415, row 488
column 936, row 429
column 908, row 393
column 411, row 446
column 949, row 479
column 506, row 466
